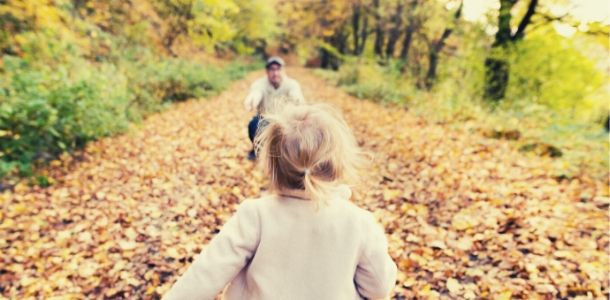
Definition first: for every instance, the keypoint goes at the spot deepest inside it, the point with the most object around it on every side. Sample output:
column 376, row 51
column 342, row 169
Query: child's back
column 304, row 242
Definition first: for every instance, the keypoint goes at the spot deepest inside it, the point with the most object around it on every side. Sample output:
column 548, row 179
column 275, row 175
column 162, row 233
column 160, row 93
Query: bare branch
column 531, row 9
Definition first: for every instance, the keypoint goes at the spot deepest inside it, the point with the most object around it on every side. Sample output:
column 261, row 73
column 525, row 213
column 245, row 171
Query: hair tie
column 306, row 171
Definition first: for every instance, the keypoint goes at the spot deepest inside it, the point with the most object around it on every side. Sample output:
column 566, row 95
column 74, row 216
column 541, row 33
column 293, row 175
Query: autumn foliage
column 123, row 140
column 467, row 216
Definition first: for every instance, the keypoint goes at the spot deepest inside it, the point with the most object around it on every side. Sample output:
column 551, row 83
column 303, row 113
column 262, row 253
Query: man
column 269, row 95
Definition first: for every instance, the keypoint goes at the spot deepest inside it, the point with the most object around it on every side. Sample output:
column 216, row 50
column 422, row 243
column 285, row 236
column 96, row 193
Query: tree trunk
column 496, row 78
column 437, row 47
column 329, row 60
column 324, row 59
column 363, row 34
column 432, row 64
column 497, row 69
column 406, row 43
column 355, row 27
column 503, row 36
column 433, row 58
column 395, row 32
column 340, row 42
column 378, row 30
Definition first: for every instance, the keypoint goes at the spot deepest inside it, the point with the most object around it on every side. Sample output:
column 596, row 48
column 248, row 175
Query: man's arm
column 296, row 93
column 254, row 97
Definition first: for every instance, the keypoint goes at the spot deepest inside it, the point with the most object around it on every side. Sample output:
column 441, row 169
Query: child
column 305, row 240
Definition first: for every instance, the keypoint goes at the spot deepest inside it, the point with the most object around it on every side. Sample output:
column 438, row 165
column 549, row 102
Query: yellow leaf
column 453, row 286
column 85, row 237
column 462, row 221
column 425, row 290
column 87, row 269
column 503, row 296
column 19, row 209
column 175, row 253
column 7, row 223
column 438, row 244
column 127, row 245
column 465, row 243
column 390, row 194
column 131, row 234
column 594, row 270
column 150, row 290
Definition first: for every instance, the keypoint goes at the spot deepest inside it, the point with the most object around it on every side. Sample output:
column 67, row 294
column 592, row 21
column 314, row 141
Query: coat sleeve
column 219, row 262
column 296, row 93
column 376, row 271
column 254, row 96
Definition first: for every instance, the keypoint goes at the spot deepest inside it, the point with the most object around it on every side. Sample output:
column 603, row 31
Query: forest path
column 466, row 216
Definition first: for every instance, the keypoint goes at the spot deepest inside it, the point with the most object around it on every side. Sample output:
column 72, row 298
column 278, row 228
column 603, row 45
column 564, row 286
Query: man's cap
column 274, row 60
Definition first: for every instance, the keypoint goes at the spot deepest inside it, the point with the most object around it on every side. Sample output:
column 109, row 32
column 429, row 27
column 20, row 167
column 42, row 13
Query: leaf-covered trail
column 466, row 216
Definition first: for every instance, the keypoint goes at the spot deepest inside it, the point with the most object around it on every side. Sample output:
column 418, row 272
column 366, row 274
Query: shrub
column 46, row 110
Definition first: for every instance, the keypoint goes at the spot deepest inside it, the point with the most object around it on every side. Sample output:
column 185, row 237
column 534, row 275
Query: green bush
column 46, row 110
column 154, row 81
column 49, row 110
column 550, row 70
column 73, row 76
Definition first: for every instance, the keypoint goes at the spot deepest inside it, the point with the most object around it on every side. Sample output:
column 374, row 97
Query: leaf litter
column 467, row 217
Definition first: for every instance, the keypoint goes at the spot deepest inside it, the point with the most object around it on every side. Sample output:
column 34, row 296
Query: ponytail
column 318, row 190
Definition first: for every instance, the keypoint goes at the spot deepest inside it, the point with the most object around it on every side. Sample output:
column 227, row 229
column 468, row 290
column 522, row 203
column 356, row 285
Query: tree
column 177, row 14
column 395, row 31
column 249, row 26
column 320, row 27
column 213, row 22
column 496, row 66
column 409, row 30
column 379, row 35
column 20, row 17
column 235, row 24
column 356, row 15
column 437, row 46
column 364, row 32
column 360, row 16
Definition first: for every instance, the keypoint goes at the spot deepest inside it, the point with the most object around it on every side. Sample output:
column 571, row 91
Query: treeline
column 525, row 66
column 75, row 71
column 425, row 36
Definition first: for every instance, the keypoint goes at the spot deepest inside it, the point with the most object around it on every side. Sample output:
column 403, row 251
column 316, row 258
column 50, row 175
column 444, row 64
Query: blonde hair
column 308, row 148
column 276, row 104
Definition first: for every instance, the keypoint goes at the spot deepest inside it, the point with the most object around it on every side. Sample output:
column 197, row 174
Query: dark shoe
column 251, row 155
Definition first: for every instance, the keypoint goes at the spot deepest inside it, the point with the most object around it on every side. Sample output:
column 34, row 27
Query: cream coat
column 286, row 248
